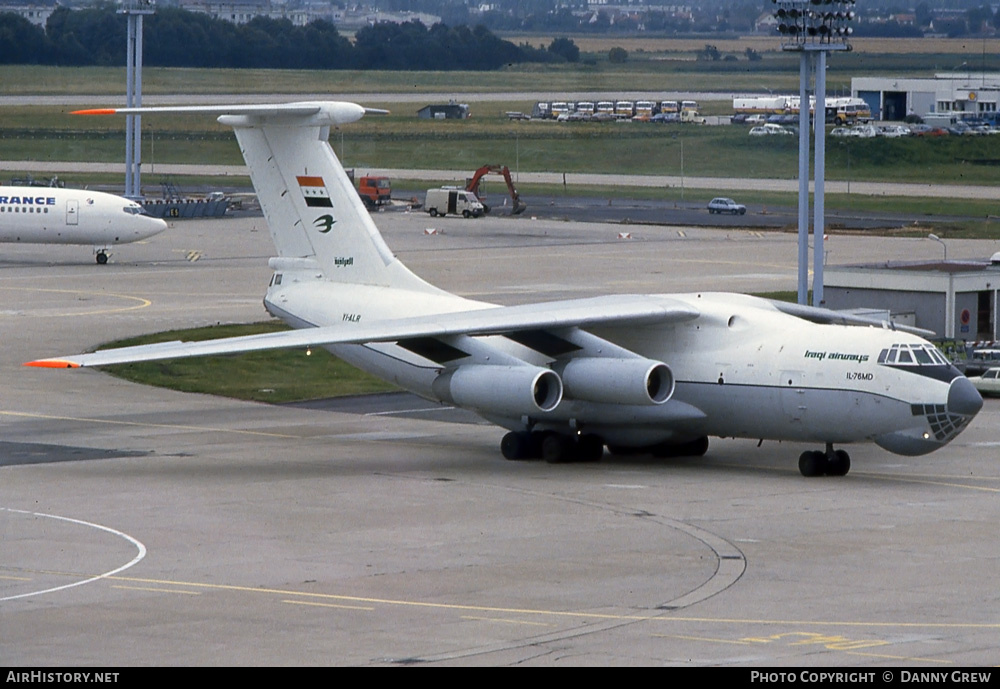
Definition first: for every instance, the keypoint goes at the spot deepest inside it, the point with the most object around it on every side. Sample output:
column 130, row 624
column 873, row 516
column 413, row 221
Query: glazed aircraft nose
column 943, row 421
column 963, row 398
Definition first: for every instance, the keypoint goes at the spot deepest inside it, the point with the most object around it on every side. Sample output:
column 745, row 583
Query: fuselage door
column 793, row 395
column 72, row 212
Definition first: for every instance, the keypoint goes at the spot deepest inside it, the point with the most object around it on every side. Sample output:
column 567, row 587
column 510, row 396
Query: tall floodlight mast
column 813, row 28
column 134, row 11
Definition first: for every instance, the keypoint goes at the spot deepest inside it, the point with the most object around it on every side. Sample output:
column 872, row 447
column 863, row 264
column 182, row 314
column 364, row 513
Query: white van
column 453, row 201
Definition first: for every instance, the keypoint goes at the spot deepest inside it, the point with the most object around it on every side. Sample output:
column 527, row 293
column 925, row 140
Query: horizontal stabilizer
column 633, row 310
column 320, row 112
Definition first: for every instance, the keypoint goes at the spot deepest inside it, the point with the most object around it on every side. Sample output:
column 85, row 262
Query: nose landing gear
column 829, row 463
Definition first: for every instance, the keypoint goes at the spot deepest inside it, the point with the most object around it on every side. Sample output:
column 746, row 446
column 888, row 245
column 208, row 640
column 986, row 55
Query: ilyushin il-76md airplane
column 653, row 373
column 47, row 215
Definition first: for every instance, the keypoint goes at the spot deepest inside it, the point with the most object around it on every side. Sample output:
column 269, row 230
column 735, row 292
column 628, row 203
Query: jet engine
column 508, row 390
column 617, row 381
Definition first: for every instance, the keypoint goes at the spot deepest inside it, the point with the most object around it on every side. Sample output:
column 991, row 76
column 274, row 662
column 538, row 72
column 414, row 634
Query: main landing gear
column 829, row 463
column 553, row 447
column 557, row 448
column 102, row 258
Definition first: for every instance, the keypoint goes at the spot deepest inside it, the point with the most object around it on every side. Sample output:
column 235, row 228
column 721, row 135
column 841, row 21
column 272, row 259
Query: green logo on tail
column 325, row 222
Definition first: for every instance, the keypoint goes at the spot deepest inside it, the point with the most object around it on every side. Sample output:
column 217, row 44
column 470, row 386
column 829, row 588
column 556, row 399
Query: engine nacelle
column 507, row 390
column 617, row 381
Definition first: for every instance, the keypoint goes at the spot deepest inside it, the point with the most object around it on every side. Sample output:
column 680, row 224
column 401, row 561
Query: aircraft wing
column 823, row 316
column 633, row 310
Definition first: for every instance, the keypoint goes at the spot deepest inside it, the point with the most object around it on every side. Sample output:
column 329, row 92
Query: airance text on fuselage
column 28, row 200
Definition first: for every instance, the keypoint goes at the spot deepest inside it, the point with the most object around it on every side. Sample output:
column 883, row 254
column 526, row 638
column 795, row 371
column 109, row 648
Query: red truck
column 374, row 191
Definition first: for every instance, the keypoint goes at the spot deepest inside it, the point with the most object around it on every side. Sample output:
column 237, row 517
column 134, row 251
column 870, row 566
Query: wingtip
column 95, row 111
column 52, row 363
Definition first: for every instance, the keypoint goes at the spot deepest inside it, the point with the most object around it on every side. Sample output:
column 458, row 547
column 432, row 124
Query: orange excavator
column 474, row 182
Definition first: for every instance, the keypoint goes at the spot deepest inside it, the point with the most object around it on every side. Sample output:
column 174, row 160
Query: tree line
column 177, row 38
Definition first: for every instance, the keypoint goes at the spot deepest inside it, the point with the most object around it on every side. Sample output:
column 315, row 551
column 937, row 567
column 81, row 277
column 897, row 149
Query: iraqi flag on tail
column 314, row 191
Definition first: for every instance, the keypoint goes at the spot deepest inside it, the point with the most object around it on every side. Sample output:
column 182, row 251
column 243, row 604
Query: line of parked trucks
column 609, row 110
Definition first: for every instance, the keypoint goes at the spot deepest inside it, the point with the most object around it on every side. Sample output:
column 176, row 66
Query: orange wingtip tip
column 52, row 363
column 95, row 111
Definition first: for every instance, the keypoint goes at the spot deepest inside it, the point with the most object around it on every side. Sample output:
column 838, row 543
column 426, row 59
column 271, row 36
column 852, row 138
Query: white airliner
column 637, row 373
column 47, row 215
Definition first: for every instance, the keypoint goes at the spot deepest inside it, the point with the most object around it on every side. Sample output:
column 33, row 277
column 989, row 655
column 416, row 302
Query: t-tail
column 315, row 216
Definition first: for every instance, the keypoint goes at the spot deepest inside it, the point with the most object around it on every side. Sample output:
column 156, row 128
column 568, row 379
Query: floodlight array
column 803, row 22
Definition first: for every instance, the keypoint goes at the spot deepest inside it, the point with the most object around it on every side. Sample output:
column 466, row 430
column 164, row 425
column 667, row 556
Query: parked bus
column 644, row 110
column 847, row 110
column 624, row 109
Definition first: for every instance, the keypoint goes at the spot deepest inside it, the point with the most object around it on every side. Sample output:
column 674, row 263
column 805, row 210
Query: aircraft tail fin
column 311, row 206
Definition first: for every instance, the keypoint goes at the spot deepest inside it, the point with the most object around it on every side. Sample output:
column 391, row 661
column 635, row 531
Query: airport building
column 947, row 96
column 955, row 299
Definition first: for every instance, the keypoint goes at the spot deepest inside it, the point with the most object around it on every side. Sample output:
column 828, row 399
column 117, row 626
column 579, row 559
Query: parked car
column 724, row 205
column 894, row 131
column 988, row 383
column 768, row 129
column 665, row 117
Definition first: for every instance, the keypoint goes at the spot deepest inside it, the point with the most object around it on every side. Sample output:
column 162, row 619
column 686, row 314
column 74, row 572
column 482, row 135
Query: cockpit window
column 913, row 355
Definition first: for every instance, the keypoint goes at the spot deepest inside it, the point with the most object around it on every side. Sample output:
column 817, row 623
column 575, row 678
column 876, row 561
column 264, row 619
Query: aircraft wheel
column 696, row 448
column 516, row 445
column 812, row 464
column 839, row 464
column 556, row 448
column 665, row 450
column 102, row 258
column 589, row 448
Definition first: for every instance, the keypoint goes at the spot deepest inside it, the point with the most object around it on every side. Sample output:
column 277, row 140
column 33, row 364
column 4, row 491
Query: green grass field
column 271, row 376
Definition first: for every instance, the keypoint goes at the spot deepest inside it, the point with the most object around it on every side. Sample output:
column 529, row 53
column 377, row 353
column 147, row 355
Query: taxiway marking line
column 886, row 656
column 143, row 303
column 157, row 590
column 107, row 529
column 505, row 621
column 660, row 616
column 328, row 605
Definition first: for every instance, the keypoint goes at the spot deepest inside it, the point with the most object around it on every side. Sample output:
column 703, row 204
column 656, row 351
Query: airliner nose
column 156, row 226
column 963, row 398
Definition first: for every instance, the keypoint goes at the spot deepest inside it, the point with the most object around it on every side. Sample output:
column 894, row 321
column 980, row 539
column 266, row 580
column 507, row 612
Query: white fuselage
column 45, row 215
column 743, row 370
